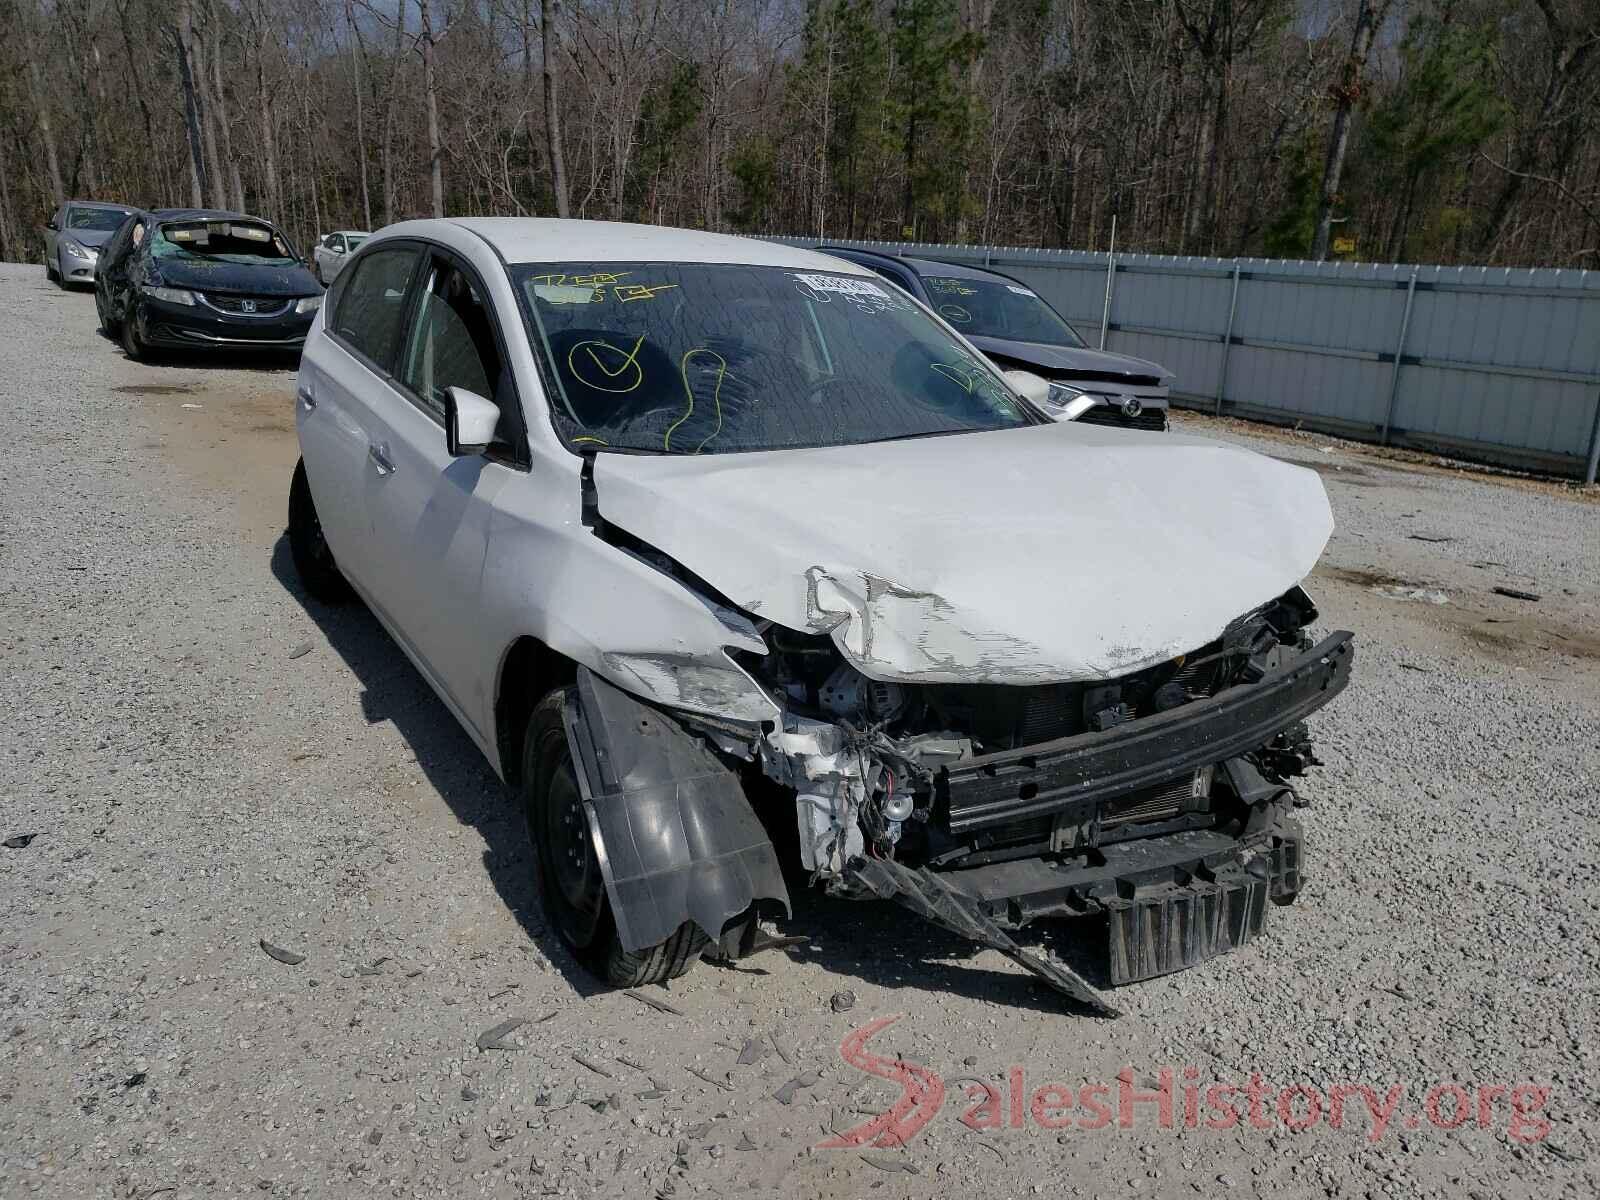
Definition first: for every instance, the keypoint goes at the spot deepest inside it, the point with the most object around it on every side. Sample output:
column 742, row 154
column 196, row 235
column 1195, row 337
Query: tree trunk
column 268, row 116
column 220, row 108
column 183, row 39
column 552, row 112
column 361, row 134
column 1369, row 17
column 46, row 133
column 217, row 178
column 430, row 92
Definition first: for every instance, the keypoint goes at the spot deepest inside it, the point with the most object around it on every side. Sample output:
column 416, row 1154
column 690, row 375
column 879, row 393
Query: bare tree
column 1370, row 16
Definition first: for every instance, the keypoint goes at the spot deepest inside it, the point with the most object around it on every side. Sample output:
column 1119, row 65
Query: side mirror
column 469, row 422
column 51, row 224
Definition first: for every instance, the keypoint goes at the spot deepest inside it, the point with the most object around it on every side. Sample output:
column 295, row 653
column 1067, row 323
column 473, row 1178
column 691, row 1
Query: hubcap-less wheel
column 566, row 851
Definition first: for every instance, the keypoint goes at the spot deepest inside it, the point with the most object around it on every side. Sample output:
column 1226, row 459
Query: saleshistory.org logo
column 1176, row 1096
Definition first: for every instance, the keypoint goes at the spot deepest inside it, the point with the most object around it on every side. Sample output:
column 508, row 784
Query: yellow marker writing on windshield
column 584, row 366
column 688, row 391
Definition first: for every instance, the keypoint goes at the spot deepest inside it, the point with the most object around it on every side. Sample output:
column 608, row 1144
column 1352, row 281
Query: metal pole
column 1111, row 268
column 1399, row 352
column 1594, row 442
column 1227, row 336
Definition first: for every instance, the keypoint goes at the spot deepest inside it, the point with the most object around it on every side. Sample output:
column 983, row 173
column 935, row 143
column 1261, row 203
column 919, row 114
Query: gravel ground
column 207, row 760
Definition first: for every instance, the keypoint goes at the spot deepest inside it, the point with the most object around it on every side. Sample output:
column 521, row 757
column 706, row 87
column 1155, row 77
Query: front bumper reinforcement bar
column 1078, row 772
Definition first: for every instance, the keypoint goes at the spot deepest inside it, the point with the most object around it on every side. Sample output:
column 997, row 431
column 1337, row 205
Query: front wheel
column 50, row 270
column 132, row 344
column 313, row 558
column 107, row 325
column 571, row 883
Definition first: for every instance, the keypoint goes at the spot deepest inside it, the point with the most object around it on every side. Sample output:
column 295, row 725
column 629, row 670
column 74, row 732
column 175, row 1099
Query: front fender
column 676, row 838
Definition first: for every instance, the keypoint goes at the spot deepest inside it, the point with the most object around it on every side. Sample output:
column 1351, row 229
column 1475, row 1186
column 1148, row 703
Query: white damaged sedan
column 716, row 546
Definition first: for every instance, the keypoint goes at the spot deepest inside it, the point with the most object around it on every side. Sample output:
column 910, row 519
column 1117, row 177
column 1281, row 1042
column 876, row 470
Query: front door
column 431, row 512
column 346, row 382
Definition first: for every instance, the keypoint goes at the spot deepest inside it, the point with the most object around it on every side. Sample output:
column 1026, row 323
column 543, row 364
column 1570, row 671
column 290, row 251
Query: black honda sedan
column 184, row 278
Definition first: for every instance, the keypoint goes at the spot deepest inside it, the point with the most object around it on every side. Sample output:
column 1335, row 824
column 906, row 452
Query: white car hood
column 1048, row 553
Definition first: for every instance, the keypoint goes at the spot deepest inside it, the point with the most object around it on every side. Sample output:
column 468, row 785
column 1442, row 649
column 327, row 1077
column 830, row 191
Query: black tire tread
column 322, row 581
column 667, row 959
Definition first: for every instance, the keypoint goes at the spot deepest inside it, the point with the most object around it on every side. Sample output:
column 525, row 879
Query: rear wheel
column 313, row 558
column 570, row 880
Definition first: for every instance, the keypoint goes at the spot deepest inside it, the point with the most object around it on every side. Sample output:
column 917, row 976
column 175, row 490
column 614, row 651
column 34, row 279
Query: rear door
column 346, row 378
column 431, row 512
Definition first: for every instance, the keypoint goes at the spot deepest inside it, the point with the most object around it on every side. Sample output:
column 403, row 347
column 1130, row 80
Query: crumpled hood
column 1048, row 553
column 241, row 278
column 1046, row 358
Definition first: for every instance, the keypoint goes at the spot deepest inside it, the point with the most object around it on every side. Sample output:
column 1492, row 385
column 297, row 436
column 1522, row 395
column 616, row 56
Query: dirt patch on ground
column 1394, row 458
column 154, row 389
column 1354, row 476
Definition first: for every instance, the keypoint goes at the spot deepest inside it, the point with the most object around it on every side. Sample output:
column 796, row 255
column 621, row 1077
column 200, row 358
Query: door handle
column 303, row 394
column 379, row 454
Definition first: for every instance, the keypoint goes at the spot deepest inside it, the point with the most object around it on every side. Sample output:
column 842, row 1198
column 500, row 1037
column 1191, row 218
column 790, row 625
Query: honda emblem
column 248, row 306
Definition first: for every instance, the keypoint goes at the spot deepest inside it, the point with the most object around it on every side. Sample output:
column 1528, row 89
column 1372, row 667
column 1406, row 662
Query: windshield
column 222, row 241
column 999, row 309
column 687, row 358
column 352, row 240
column 103, row 219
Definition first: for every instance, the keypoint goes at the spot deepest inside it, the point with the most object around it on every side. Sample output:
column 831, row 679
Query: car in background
column 701, row 537
column 74, row 235
column 332, row 251
column 185, row 278
column 1018, row 331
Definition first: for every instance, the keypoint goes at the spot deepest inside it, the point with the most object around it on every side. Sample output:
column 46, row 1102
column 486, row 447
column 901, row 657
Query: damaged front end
column 1162, row 799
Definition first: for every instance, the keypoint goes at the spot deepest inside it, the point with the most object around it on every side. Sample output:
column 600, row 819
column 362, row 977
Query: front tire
column 571, row 884
column 51, row 271
column 313, row 558
column 108, row 326
column 132, row 345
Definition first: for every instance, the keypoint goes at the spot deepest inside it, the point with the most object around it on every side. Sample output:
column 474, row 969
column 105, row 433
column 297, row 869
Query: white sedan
column 332, row 251
column 711, row 543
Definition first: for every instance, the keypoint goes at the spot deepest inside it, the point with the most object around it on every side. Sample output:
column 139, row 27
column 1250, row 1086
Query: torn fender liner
column 676, row 838
column 926, row 895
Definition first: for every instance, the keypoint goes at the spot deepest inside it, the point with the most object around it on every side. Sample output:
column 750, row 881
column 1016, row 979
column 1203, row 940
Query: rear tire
column 313, row 557
column 571, row 884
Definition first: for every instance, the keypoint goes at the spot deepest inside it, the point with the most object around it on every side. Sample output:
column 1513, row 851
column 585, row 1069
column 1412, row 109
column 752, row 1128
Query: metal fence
column 1495, row 364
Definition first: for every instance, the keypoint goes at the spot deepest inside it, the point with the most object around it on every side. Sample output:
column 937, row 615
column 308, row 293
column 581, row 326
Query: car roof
column 114, row 207
column 203, row 214
column 944, row 270
column 550, row 239
column 920, row 266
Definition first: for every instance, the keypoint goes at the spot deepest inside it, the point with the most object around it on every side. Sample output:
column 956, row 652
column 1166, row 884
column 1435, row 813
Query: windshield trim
column 555, row 393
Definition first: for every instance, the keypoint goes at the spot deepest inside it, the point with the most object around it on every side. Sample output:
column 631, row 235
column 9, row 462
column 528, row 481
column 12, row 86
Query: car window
column 998, row 308
column 354, row 240
column 452, row 342
column 244, row 242
column 371, row 305
column 336, row 244
column 100, row 219
column 692, row 358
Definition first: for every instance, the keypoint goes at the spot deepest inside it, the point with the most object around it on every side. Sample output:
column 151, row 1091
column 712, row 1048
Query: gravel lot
column 208, row 760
